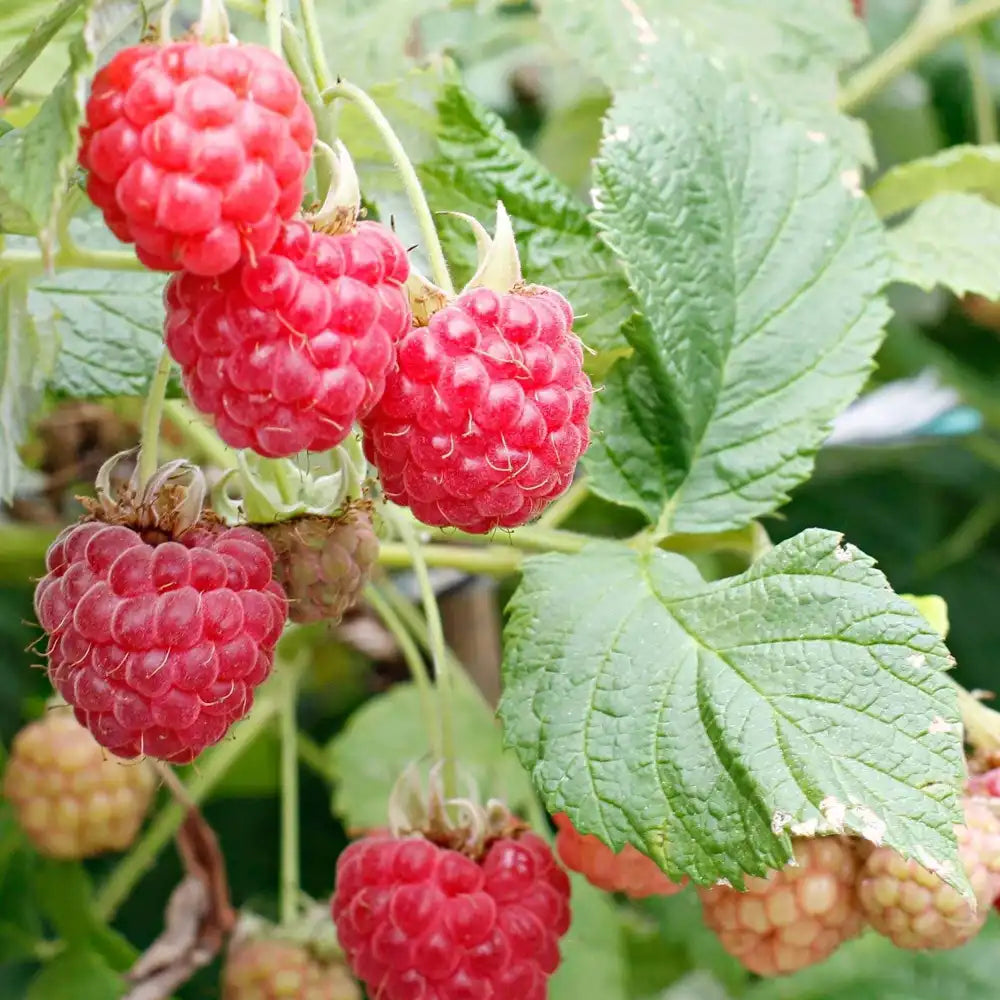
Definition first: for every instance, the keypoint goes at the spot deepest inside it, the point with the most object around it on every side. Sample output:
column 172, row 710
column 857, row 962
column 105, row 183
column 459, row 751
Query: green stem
column 923, row 36
column 490, row 560
column 566, row 505
column 152, row 414
column 311, row 754
column 141, row 858
column 273, row 10
column 982, row 97
column 315, row 44
column 299, row 63
column 438, row 648
column 407, row 173
column 963, row 541
column 197, row 433
column 531, row 538
column 290, row 875
column 73, row 257
column 381, row 605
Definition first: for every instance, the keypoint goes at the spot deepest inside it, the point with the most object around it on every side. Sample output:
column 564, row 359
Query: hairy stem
column 73, row 256
column 141, row 858
column 407, row 173
column 380, row 604
column 438, row 649
column 152, row 414
column 982, row 95
column 315, row 44
column 566, row 505
column 490, row 560
column 273, row 10
column 924, row 35
column 198, row 434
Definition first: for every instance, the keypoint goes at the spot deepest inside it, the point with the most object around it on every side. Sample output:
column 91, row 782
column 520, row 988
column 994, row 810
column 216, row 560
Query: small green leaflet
column 974, row 169
column 757, row 265
column 789, row 53
column 27, row 355
column 702, row 722
column 78, row 974
column 953, row 240
column 17, row 61
column 388, row 733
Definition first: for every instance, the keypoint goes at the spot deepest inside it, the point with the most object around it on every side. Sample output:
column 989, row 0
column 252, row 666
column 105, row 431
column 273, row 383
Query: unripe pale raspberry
column 485, row 416
column 73, row 798
column 196, row 152
column 287, row 350
column 629, row 871
column 914, row 908
column 158, row 642
column 265, row 969
column 793, row 918
column 323, row 563
column 419, row 920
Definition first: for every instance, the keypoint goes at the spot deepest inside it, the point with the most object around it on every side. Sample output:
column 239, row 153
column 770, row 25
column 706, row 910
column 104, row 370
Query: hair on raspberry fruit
column 484, row 417
column 438, row 907
column 160, row 621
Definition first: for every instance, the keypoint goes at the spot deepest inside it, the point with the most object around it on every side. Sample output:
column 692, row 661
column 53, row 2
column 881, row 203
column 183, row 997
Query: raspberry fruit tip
column 160, row 621
column 795, row 917
column 628, row 871
column 914, row 908
column 287, row 350
column 72, row 798
column 468, row 910
column 195, row 152
column 484, row 417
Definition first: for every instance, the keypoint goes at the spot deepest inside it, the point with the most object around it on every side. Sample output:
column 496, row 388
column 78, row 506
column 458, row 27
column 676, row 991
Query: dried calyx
column 341, row 207
column 461, row 824
column 160, row 510
column 498, row 268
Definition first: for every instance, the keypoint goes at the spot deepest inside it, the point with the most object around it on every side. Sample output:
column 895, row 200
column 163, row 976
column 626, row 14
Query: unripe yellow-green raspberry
column 263, row 969
column 73, row 798
column 914, row 908
column 793, row 918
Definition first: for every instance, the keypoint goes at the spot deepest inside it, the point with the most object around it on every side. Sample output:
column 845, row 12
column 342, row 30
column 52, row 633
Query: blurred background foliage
column 927, row 506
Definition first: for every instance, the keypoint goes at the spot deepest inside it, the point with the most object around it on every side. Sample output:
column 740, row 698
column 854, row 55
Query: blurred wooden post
column 472, row 624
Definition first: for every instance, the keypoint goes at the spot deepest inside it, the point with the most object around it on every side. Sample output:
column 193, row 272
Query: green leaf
column 480, row 162
column 26, row 359
column 872, row 968
column 951, row 240
column 789, row 53
column 76, row 973
column 20, row 58
column 973, row 169
column 388, row 733
column 758, row 271
column 109, row 325
column 593, row 961
column 703, row 721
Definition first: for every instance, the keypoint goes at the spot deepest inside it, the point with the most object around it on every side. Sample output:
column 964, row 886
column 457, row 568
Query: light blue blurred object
column 911, row 409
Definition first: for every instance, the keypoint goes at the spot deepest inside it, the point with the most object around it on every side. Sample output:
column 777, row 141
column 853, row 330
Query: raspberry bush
column 489, row 420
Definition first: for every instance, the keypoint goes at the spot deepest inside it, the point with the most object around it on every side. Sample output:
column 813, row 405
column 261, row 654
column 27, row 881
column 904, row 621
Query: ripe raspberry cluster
column 196, row 152
column 158, row 646
column 72, row 798
column 417, row 919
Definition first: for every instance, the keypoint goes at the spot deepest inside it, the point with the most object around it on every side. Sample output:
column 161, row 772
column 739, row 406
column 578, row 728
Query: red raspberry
column 196, row 152
column 485, row 416
column 793, row 918
column 420, row 921
column 288, row 351
column 158, row 644
column 72, row 798
column 859, row 7
column 629, row 871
